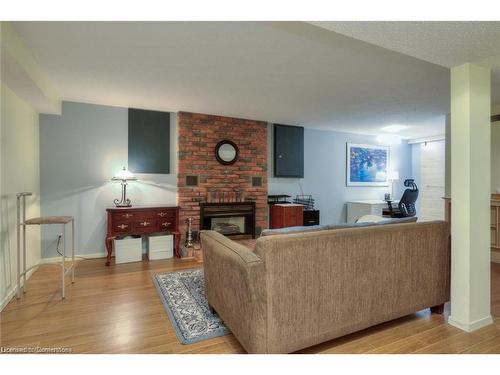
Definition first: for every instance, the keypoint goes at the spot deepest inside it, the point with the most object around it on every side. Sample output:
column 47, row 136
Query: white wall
column 325, row 172
column 19, row 172
column 80, row 151
column 415, row 167
column 447, row 157
column 495, row 151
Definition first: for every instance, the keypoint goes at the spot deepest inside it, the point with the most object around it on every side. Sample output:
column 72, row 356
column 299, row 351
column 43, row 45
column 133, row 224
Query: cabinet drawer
column 156, row 214
column 167, row 224
column 146, row 225
column 124, row 216
column 122, row 227
column 163, row 214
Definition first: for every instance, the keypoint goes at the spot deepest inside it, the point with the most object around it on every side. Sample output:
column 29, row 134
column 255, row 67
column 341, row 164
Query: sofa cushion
column 370, row 219
column 314, row 228
column 396, row 220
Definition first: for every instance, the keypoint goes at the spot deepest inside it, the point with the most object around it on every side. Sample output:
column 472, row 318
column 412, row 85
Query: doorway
column 432, row 180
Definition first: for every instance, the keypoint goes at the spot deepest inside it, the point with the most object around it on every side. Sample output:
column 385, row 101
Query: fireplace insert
column 229, row 218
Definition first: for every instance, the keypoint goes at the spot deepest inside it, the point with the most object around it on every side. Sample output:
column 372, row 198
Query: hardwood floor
column 116, row 310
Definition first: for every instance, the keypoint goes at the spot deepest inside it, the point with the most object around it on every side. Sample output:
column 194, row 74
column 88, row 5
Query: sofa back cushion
column 315, row 228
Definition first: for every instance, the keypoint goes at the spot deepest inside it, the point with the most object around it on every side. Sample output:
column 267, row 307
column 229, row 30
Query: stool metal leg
column 18, row 224
column 62, row 259
column 73, row 251
column 24, row 242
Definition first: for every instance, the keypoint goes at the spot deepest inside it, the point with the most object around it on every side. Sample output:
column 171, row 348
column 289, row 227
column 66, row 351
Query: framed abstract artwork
column 367, row 165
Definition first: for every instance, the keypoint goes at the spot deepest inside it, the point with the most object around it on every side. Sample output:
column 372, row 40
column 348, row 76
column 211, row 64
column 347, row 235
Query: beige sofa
column 301, row 289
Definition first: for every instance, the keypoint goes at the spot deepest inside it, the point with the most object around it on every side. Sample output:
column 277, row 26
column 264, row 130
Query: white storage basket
column 161, row 247
column 128, row 250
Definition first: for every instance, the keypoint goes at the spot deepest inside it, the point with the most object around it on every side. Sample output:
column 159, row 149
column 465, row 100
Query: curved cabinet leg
column 177, row 249
column 109, row 248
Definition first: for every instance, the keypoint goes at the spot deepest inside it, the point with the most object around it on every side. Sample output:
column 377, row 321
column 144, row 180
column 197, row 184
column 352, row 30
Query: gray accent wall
column 80, row 151
column 325, row 172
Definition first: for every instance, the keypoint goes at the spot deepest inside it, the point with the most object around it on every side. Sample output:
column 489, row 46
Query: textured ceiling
column 447, row 44
column 287, row 72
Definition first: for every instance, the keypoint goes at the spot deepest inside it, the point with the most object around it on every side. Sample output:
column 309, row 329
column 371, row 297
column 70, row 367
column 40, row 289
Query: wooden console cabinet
column 286, row 215
column 140, row 220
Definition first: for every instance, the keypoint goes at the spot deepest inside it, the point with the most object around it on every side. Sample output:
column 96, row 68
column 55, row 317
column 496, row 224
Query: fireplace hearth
column 228, row 218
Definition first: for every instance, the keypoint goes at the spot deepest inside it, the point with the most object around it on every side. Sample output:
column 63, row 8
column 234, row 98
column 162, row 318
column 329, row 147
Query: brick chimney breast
column 197, row 135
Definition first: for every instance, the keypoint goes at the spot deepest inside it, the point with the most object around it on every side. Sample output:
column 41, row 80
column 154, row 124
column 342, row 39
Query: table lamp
column 393, row 176
column 124, row 175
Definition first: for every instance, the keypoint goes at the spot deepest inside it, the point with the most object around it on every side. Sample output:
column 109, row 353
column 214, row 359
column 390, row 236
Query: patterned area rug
column 183, row 297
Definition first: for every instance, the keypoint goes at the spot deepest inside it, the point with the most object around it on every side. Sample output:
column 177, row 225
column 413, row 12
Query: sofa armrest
column 235, row 286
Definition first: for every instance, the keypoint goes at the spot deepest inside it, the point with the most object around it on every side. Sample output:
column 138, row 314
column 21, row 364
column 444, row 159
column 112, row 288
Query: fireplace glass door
column 228, row 225
column 228, row 218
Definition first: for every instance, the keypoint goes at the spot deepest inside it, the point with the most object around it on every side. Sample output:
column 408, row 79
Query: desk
column 356, row 209
column 139, row 220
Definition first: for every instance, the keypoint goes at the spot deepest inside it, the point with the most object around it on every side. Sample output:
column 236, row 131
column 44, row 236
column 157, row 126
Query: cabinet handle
column 162, row 214
column 166, row 224
column 122, row 226
column 127, row 216
column 145, row 223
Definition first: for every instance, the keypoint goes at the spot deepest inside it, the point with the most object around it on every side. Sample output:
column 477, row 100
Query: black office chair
column 406, row 206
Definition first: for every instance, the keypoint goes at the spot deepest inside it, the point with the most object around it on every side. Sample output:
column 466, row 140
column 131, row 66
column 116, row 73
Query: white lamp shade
column 124, row 175
column 393, row 175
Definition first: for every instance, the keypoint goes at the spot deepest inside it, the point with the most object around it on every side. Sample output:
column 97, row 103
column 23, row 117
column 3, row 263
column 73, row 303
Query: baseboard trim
column 78, row 257
column 472, row 326
column 13, row 290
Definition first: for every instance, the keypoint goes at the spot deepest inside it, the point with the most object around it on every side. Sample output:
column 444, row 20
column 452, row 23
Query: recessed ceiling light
column 393, row 128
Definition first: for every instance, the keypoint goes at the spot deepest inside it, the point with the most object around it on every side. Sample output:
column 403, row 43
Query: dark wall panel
column 288, row 151
column 148, row 141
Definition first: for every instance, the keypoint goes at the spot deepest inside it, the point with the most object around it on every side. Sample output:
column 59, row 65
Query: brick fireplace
column 200, row 174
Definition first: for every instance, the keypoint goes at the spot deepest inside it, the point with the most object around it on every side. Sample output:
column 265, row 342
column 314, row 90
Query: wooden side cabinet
column 141, row 220
column 286, row 215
